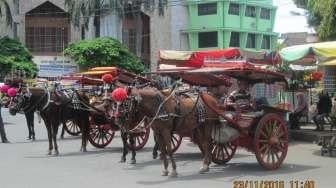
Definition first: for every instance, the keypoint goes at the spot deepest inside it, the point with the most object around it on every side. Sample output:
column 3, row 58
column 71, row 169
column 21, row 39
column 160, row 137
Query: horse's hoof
column 165, row 173
column 133, row 161
column 122, row 160
column 173, row 174
column 204, row 170
column 155, row 155
column 49, row 152
column 56, row 153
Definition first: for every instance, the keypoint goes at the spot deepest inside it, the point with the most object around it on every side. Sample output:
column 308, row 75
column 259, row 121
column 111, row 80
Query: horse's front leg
column 132, row 141
column 84, row 128
column 155, row 148
column 125, row 147
column 54, row 136
column 163, row 157
column 167, row 139
column 205, row 145
column 48, row 126
column 63, row 131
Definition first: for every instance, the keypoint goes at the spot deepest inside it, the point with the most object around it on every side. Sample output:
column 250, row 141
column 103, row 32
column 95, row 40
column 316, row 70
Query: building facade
column 231, row 23
column 45, row 28
column 158, row 31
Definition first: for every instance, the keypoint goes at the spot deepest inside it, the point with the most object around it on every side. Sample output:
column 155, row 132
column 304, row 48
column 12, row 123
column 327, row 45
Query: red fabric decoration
column 119, row 94
column 4, row 89
column 11, row 92
column 108, row 78
column 199, row 59
column 317, row 76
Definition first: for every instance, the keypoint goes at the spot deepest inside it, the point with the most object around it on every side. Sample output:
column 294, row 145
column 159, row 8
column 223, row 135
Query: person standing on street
column 2, row 128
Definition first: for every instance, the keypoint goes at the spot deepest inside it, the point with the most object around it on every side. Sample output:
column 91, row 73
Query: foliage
column 14, row 56
column 88, row 8
column 321, row 15
column 5, row 12
column 104, row 52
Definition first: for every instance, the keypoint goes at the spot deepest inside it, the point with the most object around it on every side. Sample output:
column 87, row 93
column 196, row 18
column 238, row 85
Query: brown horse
column 54, row 109
column 169, row 113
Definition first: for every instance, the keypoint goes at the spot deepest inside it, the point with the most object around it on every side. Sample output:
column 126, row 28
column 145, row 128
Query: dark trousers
column 294, row 119
column 30, row 124
column 319, row 121
column 2, row 129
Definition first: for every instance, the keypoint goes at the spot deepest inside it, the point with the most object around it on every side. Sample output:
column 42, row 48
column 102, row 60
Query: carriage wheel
column 72, row 128
column 223, row 153
column 271, row 141
column 176, row 141
column 100, row 135
column 140, row 140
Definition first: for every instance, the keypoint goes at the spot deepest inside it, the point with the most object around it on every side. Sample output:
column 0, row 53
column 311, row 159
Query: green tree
column 14, row 56
column 5, row 12
column 104, row 52
column 321, row 15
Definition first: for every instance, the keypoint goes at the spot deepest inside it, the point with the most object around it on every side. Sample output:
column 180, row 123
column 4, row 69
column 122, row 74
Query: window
column 46, row 39
column 207, row 9
column 251, row 41
column 234, row 39
column 129, row 39
column 265, row 13
column 207, row 39
column 15, row 30
column 234, row 9
column 250, row 11
column 83, row 32
column 266, row 42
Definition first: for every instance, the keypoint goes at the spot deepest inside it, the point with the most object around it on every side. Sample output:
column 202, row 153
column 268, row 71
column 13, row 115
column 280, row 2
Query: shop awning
column 308, row 54
column 328, row 63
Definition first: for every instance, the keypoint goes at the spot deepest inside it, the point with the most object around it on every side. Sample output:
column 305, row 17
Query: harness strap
column 48, row 101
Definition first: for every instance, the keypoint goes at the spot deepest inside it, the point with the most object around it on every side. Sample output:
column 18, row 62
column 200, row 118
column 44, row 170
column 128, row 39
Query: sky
column 286, row 22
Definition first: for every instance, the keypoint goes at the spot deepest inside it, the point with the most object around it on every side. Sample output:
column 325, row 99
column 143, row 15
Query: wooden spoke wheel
column 176, row 141
column 100, row 135
column 140, row 140
column 271, row 141
column 72, row 128
column 223, row 153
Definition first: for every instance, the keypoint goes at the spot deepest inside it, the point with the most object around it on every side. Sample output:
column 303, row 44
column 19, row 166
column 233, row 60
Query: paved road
column 24, row 164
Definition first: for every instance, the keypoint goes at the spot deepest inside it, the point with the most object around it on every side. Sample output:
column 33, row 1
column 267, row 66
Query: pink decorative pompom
column 4, row 89
column 11, row 92
column 119, row 94
column 108, row 78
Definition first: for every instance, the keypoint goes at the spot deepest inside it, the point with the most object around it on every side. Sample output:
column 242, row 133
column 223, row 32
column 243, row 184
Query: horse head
column 19, row 102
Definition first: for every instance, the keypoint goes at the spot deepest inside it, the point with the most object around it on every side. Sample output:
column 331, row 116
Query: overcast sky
column 286, row 22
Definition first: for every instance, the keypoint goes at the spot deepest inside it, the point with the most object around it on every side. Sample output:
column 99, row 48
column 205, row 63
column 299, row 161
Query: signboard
column 54, row 67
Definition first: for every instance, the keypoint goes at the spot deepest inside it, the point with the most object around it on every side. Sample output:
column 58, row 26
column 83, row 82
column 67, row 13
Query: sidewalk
column 307, row 133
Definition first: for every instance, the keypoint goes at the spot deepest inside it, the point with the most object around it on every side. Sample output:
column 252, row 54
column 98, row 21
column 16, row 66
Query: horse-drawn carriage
column 102, row 127
column 262, row 131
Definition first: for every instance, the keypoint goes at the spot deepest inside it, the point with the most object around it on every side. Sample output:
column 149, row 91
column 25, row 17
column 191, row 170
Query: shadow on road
column 183, row 159
column 234, row 171
column 117, row 150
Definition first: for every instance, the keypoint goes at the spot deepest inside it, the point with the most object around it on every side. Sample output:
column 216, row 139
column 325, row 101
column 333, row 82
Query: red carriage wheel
column 140, row 140
column 100, row 135
column 223, row 153
column 176, row 141
column 271, row 141
column 72, row 128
